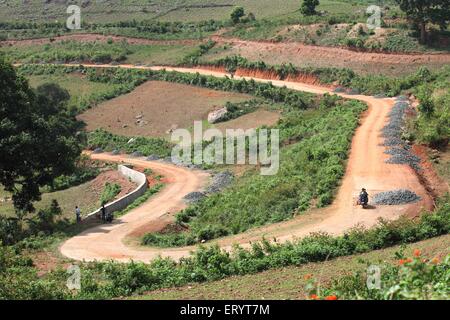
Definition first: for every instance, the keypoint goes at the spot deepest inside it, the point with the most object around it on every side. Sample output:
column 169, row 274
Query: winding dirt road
column 366, row 168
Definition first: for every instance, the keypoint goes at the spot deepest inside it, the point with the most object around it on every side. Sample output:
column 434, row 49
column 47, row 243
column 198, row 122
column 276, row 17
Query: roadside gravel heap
column 152, row 157
column 392, row 133
column 339, row 90
column 352, row 91
column 395, row 197
column 400, row 155
column 136, row 154
column 220, row 181
column 194, row 197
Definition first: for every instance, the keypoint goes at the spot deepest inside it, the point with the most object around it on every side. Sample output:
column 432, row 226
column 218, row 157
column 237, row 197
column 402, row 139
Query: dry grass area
column 251, row 120
column 155, row 107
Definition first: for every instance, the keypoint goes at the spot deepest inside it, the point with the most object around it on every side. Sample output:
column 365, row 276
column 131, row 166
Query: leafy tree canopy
column 308, row 7
column 237, row 14
column 38, row 137
column 422, row 12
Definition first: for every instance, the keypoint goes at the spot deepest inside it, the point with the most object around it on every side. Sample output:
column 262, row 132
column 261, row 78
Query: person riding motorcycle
column 363, row 197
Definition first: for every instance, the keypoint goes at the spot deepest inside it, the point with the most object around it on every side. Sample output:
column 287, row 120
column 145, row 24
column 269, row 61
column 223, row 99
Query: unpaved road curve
column 365, row 168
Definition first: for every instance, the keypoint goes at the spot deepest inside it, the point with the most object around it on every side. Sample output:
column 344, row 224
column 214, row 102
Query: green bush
column 410, row 279
column 110, row 191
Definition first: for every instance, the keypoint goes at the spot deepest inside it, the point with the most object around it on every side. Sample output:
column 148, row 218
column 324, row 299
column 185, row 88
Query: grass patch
column 110, row 191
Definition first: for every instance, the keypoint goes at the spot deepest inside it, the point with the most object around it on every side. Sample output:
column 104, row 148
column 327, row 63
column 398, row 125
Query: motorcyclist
column 363, row 197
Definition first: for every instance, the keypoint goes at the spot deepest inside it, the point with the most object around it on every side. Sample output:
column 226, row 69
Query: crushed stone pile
column 152, row 157
column 395, row 197
column 339, row 90
column 220, row 181
column 400, row 155
column 194, row 197
column 136, row 154
column 398, row 150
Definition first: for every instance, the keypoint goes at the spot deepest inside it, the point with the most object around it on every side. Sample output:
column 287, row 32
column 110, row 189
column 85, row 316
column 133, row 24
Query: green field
column 165, row 10
column 119, row 51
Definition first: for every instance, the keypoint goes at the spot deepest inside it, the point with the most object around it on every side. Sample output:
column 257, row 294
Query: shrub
column 110, row 191
column 412, row 278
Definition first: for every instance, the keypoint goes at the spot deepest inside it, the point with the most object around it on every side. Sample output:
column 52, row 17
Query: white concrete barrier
column 137, row 177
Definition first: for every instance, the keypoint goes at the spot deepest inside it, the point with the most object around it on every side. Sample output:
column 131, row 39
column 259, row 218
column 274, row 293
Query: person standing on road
column 103, row 211
column 78, row 214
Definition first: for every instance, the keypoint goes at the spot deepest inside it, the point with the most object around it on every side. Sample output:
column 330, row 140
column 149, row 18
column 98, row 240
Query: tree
column 422, row 12
column 308, row 7
column 38, row 137
column 237, row 14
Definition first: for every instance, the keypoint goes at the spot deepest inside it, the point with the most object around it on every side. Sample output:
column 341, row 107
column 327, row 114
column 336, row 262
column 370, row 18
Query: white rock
column 216, row 115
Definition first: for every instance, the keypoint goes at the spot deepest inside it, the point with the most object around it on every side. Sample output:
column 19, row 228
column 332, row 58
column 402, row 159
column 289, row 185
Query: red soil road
column 366, row 168
column 296, row 53
column 299, row 54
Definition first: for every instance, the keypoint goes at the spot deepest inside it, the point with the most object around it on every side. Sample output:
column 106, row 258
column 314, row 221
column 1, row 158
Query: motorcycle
column 363, row 201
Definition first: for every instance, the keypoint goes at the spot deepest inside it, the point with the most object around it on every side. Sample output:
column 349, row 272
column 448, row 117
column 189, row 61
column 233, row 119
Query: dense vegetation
column 432, row 126
column 38, row 137
column 311, row 166
column 412, row 278
column 19, row 279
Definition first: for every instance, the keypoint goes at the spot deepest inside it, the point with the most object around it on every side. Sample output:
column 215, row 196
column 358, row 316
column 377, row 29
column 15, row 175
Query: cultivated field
column 155, row 107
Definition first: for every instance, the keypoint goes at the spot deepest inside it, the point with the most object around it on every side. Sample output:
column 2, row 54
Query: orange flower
column 435, row 260
column 417, row 253
column 331, row 298
column 307, row 276
column 314, row 297
column 403, row 261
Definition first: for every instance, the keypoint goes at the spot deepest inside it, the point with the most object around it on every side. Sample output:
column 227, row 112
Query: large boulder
column 217, row 115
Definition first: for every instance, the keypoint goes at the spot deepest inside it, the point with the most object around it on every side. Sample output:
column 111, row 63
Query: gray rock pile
column 220, row 181
column 395, row 197
column 400, row 155
column 152, row 157
column 194, row 197
column 136, row 154
column 98, row 150
column 217, row 115
column 392, row 133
